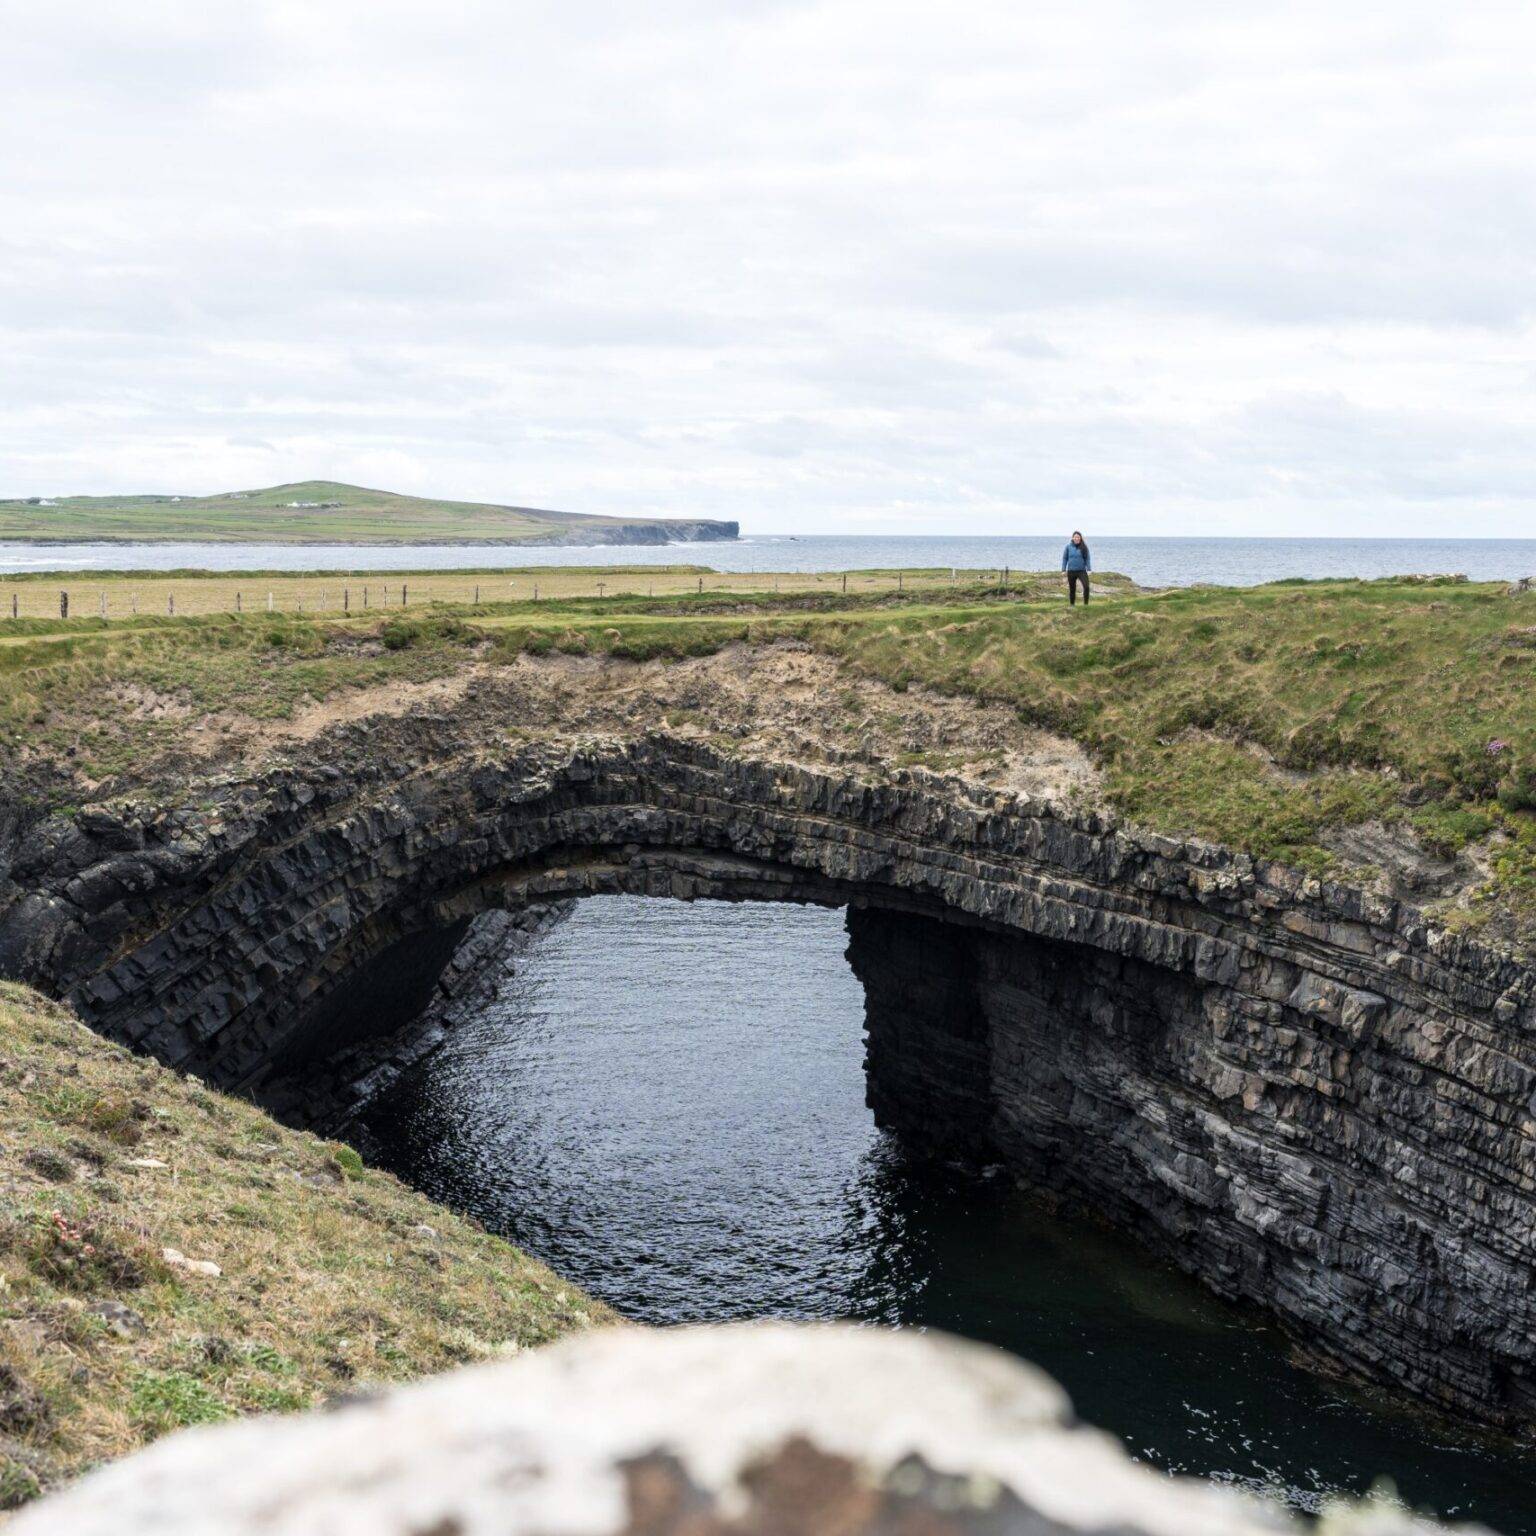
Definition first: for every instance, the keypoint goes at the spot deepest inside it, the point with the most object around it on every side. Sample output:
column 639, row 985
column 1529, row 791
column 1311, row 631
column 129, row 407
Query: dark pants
column 1073, row 577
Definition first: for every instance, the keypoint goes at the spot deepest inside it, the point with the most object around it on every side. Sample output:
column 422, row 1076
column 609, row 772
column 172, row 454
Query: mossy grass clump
column 402, row 633
column 1517, row 788
column 82, row 1249
column 162, row 1400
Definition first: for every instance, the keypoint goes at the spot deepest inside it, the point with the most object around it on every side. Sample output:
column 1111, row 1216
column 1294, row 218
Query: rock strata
column 1304, row 1094
column 761, row 1429
column 673, row 531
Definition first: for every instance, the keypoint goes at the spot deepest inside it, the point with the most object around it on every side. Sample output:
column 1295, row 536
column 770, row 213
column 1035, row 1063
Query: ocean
column 1152, row 562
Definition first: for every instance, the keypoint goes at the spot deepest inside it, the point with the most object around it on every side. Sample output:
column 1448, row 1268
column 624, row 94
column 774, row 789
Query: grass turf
column 331, row 1275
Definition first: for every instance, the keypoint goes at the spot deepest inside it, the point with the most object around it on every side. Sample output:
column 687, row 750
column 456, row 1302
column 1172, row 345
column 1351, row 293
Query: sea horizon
column 1156, row 560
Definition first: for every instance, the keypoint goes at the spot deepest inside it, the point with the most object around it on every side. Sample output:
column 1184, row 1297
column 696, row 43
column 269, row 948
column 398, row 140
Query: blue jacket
column 1075, row 557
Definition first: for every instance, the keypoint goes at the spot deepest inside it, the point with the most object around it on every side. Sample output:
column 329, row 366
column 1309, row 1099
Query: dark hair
column 1077, row 533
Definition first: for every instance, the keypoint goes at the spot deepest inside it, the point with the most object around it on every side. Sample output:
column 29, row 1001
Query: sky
column 853, row 266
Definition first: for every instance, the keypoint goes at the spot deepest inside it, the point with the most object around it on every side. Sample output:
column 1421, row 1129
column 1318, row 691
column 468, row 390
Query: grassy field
column 306, row 512
column 1265, row 718
column 125, row 594
column 329, row 1276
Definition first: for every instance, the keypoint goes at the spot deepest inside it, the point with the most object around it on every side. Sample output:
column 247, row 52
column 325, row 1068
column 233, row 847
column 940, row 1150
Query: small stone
column 178, row 1260
column 121, row 1320
column 145, row 1162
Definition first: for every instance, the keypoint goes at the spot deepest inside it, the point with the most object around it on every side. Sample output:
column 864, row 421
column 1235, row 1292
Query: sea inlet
column 665, row 1101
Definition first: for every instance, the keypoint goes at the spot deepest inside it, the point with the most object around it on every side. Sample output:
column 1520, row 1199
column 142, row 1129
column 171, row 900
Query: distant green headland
column 328, row 512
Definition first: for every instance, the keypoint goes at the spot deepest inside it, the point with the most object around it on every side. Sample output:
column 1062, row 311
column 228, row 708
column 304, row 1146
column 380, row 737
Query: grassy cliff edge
column 1331, row 725
column 171, row 1256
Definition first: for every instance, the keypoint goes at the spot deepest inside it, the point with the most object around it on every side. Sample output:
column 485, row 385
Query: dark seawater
column 666, row 1103
column 1153, row 562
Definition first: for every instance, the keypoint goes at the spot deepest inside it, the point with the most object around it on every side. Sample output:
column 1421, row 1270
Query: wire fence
column 203, row 595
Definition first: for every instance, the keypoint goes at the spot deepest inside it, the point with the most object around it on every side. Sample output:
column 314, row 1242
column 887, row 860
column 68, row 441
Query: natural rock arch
column 1300, row 1092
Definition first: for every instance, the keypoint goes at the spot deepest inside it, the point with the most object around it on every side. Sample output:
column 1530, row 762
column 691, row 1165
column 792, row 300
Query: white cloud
column 810, row 263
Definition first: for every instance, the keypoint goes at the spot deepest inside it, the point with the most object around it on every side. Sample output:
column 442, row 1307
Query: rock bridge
column 1301, row 1093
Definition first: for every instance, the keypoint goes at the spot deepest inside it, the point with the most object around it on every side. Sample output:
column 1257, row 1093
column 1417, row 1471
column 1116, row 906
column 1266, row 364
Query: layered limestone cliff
column 1304, row 1094
column 673, row 531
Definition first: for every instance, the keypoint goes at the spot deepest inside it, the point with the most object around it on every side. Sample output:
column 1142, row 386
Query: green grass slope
column 170, row 1256
column 306, row 512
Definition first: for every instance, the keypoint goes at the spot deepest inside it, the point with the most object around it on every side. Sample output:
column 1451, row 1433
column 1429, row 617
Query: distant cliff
column 701, row 531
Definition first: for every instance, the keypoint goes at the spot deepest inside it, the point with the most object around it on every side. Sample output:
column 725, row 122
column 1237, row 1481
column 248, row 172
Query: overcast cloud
column 843, row 265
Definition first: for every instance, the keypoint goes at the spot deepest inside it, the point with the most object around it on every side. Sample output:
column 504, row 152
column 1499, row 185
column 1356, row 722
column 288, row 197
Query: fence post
column 845, row 583
column 535, row 591
column 63, row 605
column 1005, row 578
column 602, row 587
column 101, row 603
column 477, row 593
column 346, row 599
column 402, row 595
column 134, row 604
column 701, row 586
column 170, row 603
column 899, row 586
column 237, row 602
column 365, row 597
column 13, row 605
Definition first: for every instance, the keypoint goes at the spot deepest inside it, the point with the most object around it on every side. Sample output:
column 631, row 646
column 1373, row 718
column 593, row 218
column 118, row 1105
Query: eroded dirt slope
column 785, row 700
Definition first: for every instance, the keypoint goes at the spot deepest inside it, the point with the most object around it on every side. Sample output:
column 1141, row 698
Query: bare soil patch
column 787, row 701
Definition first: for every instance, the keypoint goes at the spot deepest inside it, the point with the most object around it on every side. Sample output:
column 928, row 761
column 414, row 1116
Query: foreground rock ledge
column 753, row 1429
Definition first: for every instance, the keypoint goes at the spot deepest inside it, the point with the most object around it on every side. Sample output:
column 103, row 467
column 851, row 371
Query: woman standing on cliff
column 1077, row 562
